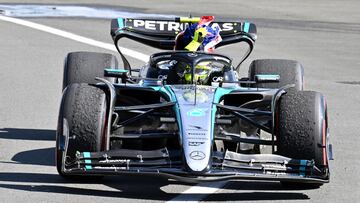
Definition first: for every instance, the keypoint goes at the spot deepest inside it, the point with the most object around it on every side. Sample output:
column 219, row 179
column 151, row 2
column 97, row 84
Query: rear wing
column 161, row 33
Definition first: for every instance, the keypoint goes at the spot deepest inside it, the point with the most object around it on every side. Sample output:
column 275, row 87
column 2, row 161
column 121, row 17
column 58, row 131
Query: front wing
column 225, row 166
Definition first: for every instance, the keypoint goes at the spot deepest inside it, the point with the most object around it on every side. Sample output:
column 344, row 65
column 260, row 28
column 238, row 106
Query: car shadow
column 44, row 157
column 131, row 187
column 27, row 134
column 125, row 186
column 140, row 187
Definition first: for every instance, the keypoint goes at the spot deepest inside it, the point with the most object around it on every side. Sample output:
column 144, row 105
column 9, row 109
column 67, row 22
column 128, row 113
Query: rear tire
column 83, row 111
column 301, row 128
column 83, row 67
column 290, row 71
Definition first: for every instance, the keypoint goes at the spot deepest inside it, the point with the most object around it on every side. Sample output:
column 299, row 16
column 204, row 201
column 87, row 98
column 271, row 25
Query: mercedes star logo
column 197, row 155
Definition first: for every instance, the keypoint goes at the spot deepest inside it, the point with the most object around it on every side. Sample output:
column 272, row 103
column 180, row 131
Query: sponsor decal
column 195, row 143
column 172, row 26
column 196, row 134
column 198, row 138
column 197, row 112
column 192, row 87
column 196, row 127
column 120, row 161
column 163, row 56
column 197, row 155
column 159, row 25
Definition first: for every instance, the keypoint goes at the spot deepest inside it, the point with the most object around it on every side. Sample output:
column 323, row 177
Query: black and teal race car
column 117, row 120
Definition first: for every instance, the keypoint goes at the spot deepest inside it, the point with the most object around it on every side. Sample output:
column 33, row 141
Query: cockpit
column 183, row 67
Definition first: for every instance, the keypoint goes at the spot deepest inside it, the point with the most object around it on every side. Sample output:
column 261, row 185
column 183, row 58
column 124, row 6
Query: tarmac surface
column 323, row 35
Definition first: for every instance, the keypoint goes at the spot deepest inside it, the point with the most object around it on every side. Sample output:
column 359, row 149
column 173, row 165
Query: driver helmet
column 199, row 37
column 201, row 75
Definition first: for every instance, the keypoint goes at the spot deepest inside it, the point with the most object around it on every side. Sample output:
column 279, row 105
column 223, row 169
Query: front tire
column 301, row 129
column 82, row 120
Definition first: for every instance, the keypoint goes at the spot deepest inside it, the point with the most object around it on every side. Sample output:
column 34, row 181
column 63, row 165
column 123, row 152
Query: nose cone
column 196, row 123
column 197, row 136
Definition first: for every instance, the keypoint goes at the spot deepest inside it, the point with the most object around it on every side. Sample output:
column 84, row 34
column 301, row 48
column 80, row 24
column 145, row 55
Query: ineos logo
column 197, row 155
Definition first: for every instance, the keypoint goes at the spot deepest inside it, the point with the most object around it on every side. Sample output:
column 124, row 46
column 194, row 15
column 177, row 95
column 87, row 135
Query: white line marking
column 198, row 192
column 75, row 37
column 39, row 11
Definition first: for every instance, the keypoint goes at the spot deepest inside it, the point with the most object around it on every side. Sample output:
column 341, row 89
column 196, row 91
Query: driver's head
column 201, row 74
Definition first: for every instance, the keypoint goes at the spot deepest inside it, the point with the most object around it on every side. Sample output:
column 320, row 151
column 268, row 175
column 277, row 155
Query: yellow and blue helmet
column 201, row 73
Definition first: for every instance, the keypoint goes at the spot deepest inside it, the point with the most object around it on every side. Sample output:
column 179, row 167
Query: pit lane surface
column 323, row 35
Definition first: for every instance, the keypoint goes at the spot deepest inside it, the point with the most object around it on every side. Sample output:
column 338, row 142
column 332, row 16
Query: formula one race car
column 186, row 114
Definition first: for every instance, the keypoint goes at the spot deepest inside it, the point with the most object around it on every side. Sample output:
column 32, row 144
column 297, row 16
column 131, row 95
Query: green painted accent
column 170, row 91
column 88, row 167
column 196, row 113
column 176, row 108
column 246, row 26
column 87, row 161
column 302, row 166
column 268, row 76
column 120, row 24
column 86, row 155
column 158, row 89
column 219, row 92
column 213, row 114
column 162, row 89
column 116, row 70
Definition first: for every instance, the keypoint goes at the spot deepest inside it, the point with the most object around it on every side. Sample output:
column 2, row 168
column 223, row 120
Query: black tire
column 290, row 71
column 83, row 67
column 83, row 108
column 301, row 128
